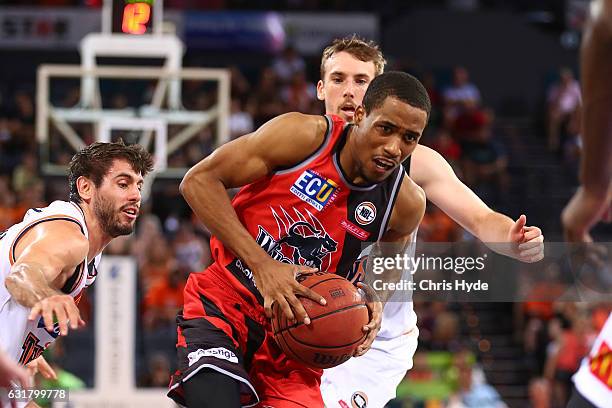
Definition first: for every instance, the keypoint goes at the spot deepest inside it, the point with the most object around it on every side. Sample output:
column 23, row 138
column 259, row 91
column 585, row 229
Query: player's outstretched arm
column 433, row 173
column 46, row 256
column 407, row 214
column 282, row 142
column 594, row 196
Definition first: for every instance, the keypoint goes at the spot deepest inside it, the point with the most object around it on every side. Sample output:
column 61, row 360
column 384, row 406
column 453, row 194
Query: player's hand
column 581, row 213
column 58, row 307
column 276, row 283
column 11, row 372
column 40, row 365
column 375, row 310
column 529, row 241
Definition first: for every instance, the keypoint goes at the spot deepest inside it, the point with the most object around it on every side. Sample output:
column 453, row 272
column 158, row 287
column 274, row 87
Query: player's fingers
column 517, row 228
column 268, row 302
column 532, row 233
column 365, row 346
column 528, row 253
column 530, row 244
column 367, row 293
column 47, row 314
column 303, row 269
column 73, row 316
column 23, row 376
column 285, row 308
column 298, row 308
column 45, row 369
column 536, row 258
column 62, row 319
column 82, row 322
column 34, row 312
column 310, row 294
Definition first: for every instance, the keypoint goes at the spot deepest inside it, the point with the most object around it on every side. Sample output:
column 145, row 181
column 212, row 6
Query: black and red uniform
column 309, row 214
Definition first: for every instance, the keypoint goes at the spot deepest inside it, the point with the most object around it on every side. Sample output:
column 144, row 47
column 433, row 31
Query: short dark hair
column 399, row 85
column 95, row 160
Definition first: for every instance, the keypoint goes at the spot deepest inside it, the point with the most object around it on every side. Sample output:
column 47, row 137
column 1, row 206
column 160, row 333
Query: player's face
column 117, row 200
column 345, row 82
column 386, row 137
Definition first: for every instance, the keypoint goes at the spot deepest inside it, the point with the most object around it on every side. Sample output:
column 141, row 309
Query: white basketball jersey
column 594, row 377
column 398, row 314
column 22, row 339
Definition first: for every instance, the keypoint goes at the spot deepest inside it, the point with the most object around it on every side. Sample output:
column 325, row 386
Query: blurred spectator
column 158, row 372
column 288, row 64
column 563, row 108
column 298, row 95
column 158, row 263
column 240, row 86
column 31, row 197
column 471, row 393
column 192, row 252
column 445, row 332
column 539, row 393
column 265, row 103
column 461, row 93
column 444, row 144
column 148, row 230
column 8, row 201
column 567, row 348
column 485, row 160
column 25, row 175
column 436, row 226
column 240, row 120
column 24, row 108
column 163, row 300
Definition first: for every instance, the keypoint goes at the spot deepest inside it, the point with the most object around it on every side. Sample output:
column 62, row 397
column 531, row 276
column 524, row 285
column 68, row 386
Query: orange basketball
column 335, row 330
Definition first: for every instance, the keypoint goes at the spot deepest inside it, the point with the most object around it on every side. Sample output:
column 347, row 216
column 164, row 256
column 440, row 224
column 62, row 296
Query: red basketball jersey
column 310, row 214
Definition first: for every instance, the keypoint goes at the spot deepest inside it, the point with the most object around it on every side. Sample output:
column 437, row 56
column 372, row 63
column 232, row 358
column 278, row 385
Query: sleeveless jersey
column 594, row 377
column 310, row 214
column 22, row 339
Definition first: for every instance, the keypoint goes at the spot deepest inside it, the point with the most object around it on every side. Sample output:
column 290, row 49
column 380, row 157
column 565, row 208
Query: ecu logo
column 314, row 189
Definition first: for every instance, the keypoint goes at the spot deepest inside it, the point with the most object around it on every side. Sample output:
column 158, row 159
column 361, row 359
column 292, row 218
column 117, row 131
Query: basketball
column 335, row 330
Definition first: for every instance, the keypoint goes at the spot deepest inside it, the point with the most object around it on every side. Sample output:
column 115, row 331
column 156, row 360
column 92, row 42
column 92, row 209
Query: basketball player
column 52, row 255
column 314, row 190
column 348, row 66
column 593, row 381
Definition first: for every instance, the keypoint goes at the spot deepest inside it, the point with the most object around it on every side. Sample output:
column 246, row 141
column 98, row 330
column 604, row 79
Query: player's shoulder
column 295, row 131
column 302, row 123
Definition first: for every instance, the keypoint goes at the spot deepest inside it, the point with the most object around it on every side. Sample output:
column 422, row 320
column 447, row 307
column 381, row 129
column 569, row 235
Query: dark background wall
column 509, row 59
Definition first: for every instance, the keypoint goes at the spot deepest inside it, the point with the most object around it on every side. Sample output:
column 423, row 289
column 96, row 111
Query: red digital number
column 135, row 18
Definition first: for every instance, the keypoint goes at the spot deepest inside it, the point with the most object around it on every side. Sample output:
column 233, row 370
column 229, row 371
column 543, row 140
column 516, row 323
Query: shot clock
column 134, row 17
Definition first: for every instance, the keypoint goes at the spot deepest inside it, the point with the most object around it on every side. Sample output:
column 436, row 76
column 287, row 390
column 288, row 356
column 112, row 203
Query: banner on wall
column 309, row 33
column 270, row 32
column 46, row 28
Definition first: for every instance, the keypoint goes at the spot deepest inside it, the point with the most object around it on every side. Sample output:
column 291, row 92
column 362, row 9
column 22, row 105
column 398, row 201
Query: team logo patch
column 301, row 240
column 314, row 189
column 365, row 213
column 359, row 400
column 218, row 352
